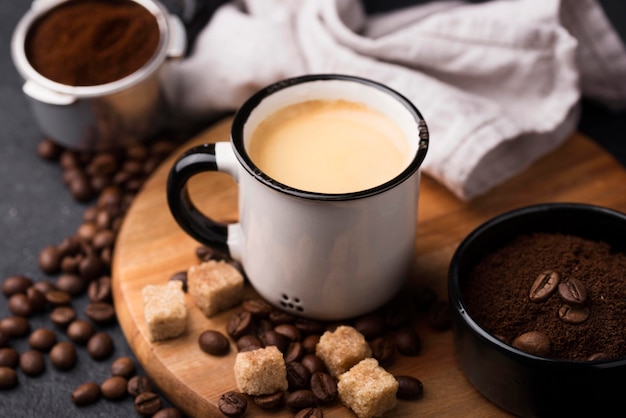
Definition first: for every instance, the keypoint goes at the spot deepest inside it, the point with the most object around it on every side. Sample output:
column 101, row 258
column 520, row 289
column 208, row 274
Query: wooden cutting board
column 151, row 247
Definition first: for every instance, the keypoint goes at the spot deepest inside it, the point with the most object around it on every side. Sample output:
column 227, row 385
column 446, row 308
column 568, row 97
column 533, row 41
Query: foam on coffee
column 329, row 146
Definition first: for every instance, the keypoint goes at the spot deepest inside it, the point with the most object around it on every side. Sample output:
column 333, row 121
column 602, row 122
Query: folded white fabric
column 498, row 83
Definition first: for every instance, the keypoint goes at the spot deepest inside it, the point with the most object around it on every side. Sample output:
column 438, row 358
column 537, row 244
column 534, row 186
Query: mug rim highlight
column 244, row 112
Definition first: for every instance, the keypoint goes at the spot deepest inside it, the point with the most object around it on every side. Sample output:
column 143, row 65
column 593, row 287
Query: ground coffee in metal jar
column 552, row 291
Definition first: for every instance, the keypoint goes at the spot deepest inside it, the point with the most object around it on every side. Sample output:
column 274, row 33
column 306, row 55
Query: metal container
column 105, row 116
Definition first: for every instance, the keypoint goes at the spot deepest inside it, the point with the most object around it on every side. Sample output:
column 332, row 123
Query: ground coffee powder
column 92, row 42
column 497, row 294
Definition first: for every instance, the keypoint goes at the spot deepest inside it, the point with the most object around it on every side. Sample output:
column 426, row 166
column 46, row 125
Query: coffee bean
column 70, row 245
column 44, row 286
column 180, row 276
column 248, row 343
column 371, row 326
column 257, row 307
column 8, row 378
column 48, row 150
column 271, row 401
column 310, row 326
column 301, row 399
column 168, row 413
column 4, row 338
column 80, row 331
column 19, row 305
column 574, row 315
column 86, row 394
column 239, row 324
column 324, row 387
column 42, row 339
column 16, row 284
column 15, row 326
column 295, row 352
column 147, row 404
column 309, row 343
column 138, row 385
column 70, row 284
column 90, row 267
column 271, row 337
column 124, row 367
column 409, row 387
column 439, row 316
column 533, row 342
column 32, row 363
column 289, row 331
column 298, row 376
column 62, row 316
column 58, row 298
column 313, row 363
column 544, row 286
column 100, row 346
column 101, row 313
column 383, row 350
column 80, row 189
column 63, row 355
column 232, row 404
column 102, row 239
column 114, row 388
column 214, row 342
column 573, row 292
column 277, row 317
column 309, row 413
column 9, row 357
column 49, row 260
column 36, row 299
column 408, row 341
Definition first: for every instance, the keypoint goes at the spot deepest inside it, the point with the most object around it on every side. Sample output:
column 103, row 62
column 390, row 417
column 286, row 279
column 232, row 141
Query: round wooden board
column 151, row 247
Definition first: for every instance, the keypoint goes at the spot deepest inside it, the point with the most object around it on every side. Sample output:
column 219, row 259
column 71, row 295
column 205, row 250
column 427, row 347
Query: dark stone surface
column 36, row 210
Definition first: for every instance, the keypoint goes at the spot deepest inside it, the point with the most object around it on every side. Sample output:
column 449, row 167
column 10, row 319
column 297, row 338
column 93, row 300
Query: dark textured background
column 36, row 210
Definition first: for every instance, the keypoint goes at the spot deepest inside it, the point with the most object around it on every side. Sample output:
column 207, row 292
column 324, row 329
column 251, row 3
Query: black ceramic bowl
column 521, row 383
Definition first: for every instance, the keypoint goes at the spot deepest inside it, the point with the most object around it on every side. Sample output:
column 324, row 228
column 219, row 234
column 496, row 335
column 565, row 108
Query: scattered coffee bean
column 232, row 404
column 574, row 314
column 101, row 313
column 324, row 387
column 309, row 413
column 257, row 307
column 63, row 355
column 533, row 342
column 544, row 286
column 408, row 341
column 9, row 357
column 301, row 399
column 58, row 298
column 80, row 331
column 277, row 317
column 147, row 404
column 180, row 276
column 271, row 337
column 439, row 316
column 309, row 326
column 19, row 305
column 16, row 284
column 32, row 363
column 100, row 290
column 70, row 284
column 100, row 346
column 289, row 331
column 44, row 286
column 383, row 350
column 295, row 352
column 573, row 292
column 48, row 150
column 86, row 394
column 62, row 316
column 168, row 413
column 239, row 324
column 309, row 343
column 15, row 326
column 409, row 387
column 371, row 326
column 248, row 343
column 36, row 299
column 124, row 367
column 4, row 338
column 214, row 342
column 313, row 363
column 49, row 260
column 298, row 376
column 271, row 401
column 42, row 339
column 8, row 378
column 138, row 385
column 114, row 388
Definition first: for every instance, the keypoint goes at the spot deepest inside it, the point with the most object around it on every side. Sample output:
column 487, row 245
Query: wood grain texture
column 151, row 247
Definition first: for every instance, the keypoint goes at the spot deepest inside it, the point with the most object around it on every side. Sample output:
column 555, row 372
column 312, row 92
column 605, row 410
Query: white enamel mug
column 316, row 255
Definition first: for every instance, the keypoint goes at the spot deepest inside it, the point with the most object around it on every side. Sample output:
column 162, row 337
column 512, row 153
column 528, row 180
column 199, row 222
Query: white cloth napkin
column 498, row 83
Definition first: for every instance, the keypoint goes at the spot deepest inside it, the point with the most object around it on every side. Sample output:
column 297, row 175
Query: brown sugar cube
column 342, row 349
column 261, row 371
column 165, row 310
column 215, row 286
column 368, row 389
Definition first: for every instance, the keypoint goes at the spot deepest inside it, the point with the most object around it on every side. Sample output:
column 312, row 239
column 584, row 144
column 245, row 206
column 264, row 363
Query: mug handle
column 202, row 158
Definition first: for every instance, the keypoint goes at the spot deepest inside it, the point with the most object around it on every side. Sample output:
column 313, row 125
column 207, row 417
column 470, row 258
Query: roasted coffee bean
column 4, row 338
column 9, row 357
column 69, row 264
column 90, row 267
column 232, row 404
column 309, row 343
column 271, row 401
column 70, row 284
column 32, row 363
column 49, row 150
column 573, row 292
column 49, row 260
column 533, row 342
column 114, row 388
column 277, row 317
column 383, row 350
column 58, row 298
column 544, row 286
column 70, row 245
column 180, row 276
column 44, row 286
column 62, row 316
column 16, row 284
column 309, row 326
column 257, row 307
column 298, row 376
column 309, row 413
column 214, row 343
column 261, row 326
column 248, row 343
column 294, row 352
column 81, row 189
column 371, row 326
column 168, row 413
column 408, row 341
column 19, row 305
column 138, row 385
column 15, row 326
column 86, row 394
column 80, row 331
column 439, row 316
column 301, row 399
column 271, row 337
column 100, row 346
column 147, row 404
column 289, row 331
column 63, row 355
column 102, row 239
column 597, row 357
column 409, row 387
column 324, row 387
column 239, row 325
column 574, row 315
column 8, row 378
column 101, row 313
column 124, row 367
column 42, row 339
column 424, row 297
column 36, row 299
column 313, row 363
